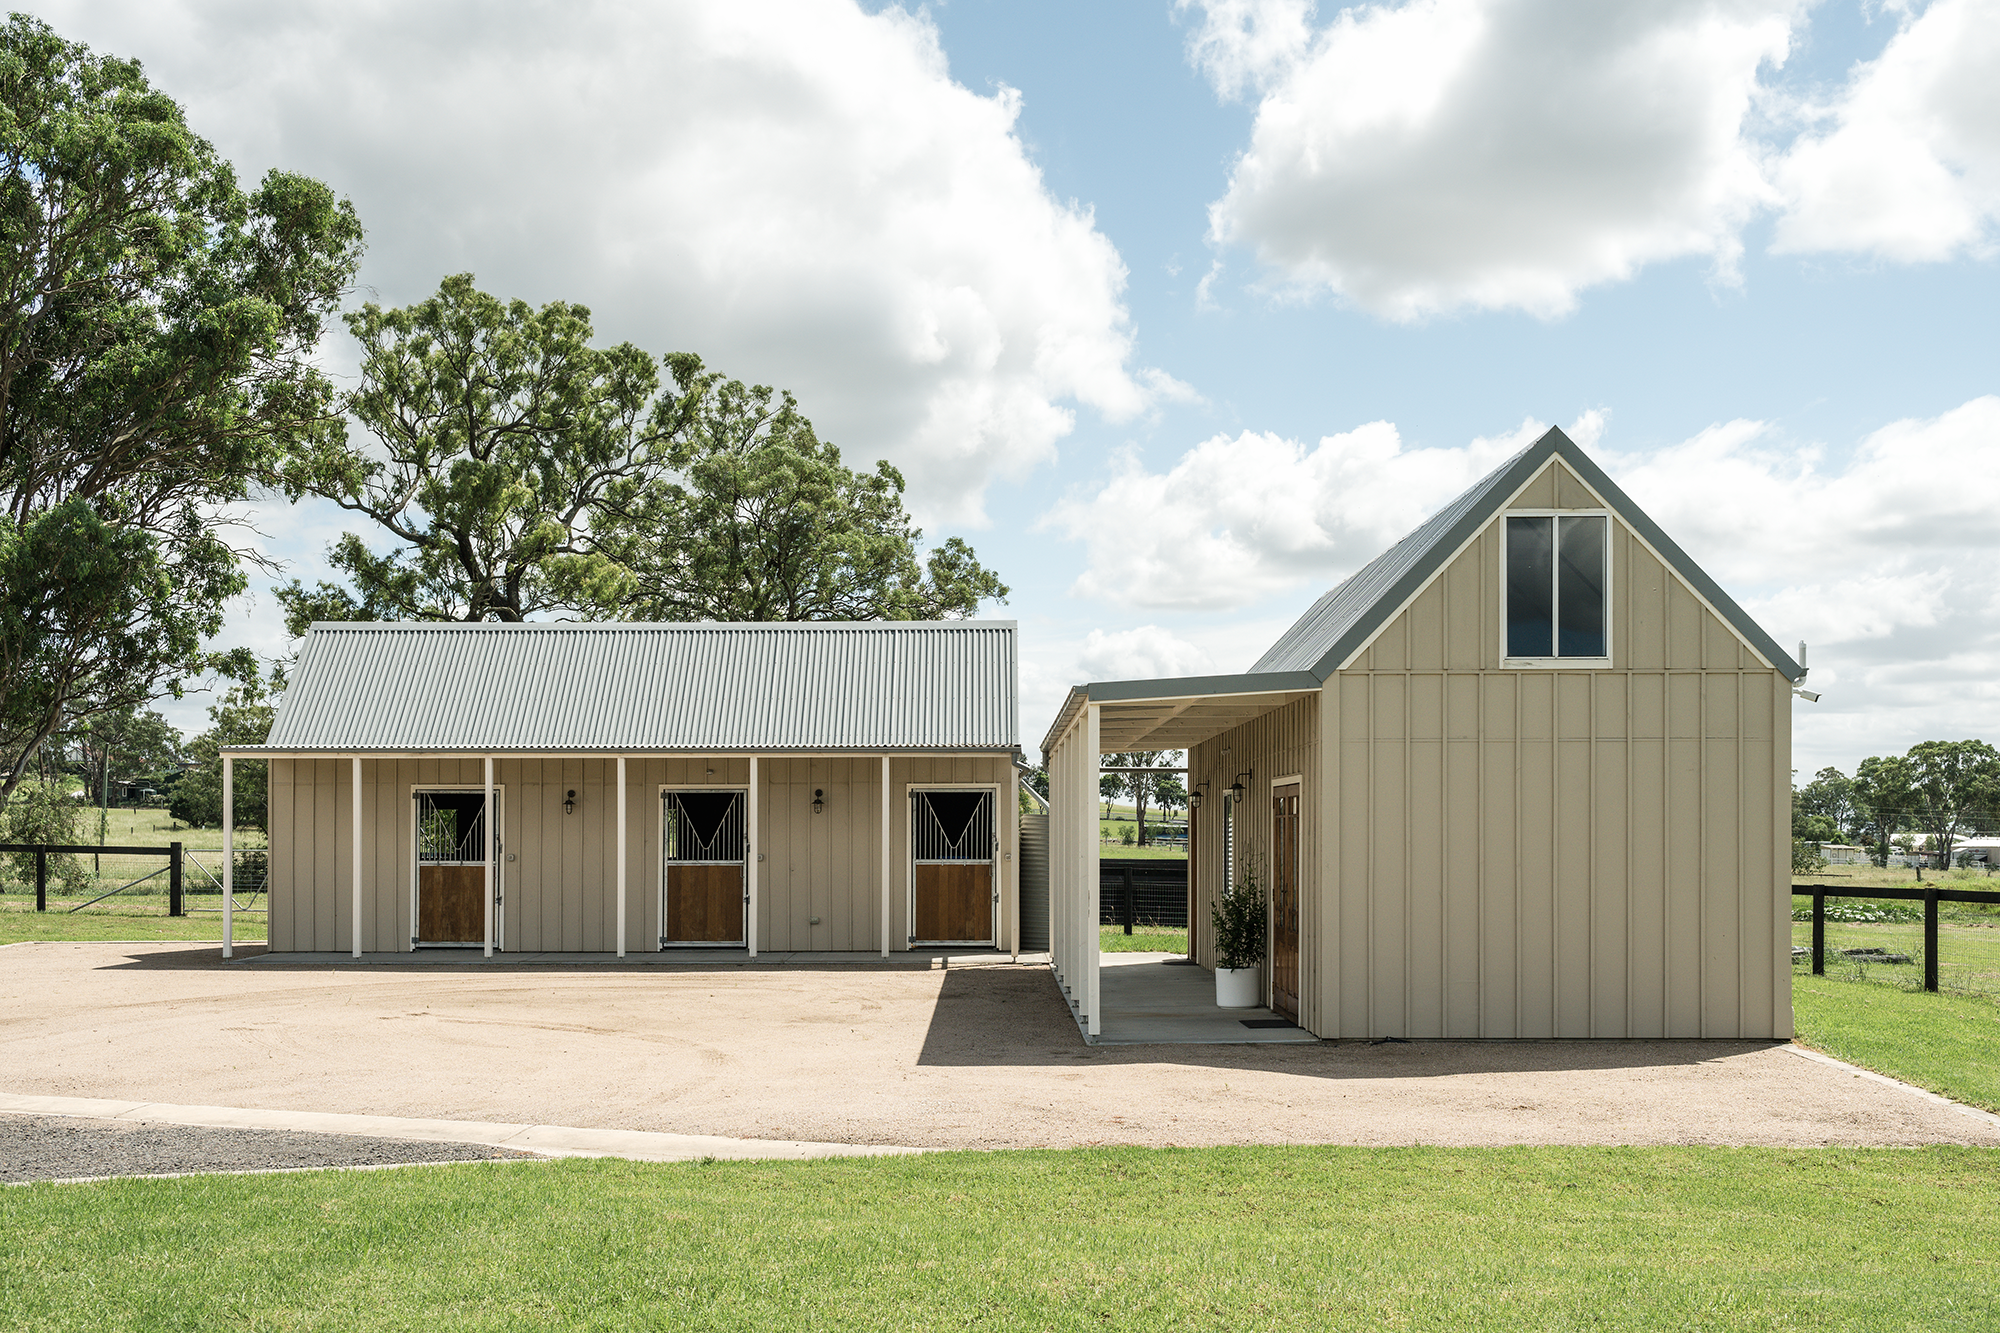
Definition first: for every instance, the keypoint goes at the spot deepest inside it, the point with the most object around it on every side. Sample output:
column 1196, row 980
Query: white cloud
column 1235, row 520
column 1908, row 164
column 1445, row 154
column 1146, row 653
column 794, row 188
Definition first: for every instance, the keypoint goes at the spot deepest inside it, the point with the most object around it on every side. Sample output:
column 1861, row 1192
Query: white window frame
column 1555, row 629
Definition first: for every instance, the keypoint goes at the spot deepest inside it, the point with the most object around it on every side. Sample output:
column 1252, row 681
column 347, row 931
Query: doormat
column 1268, row 1023
column 1180, row 962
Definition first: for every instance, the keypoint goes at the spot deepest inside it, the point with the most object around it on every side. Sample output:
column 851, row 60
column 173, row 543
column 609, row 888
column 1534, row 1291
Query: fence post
column 1930, row 939
column 41, row 880
column 1131, row 900
column 174, row 880
column 1819, row 932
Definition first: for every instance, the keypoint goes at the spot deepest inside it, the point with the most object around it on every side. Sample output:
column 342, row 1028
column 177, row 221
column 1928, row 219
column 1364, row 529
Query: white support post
column 621, row 856
column 356, row 888
column 229, row 862
column 750, row 858
column 1012, row 877
column 1092, row 962
column 887, row 877
column 490, row 867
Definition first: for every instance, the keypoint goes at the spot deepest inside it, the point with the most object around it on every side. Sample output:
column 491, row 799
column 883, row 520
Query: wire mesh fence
column 120, row 880
column 1944, row 936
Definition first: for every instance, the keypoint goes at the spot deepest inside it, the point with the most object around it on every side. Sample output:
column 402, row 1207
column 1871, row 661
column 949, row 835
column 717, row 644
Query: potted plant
column 1239, row 924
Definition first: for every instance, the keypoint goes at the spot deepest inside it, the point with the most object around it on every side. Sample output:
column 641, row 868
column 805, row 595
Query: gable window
column 1556, row 567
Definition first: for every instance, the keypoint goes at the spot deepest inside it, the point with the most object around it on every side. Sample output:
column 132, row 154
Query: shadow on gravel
column 1003, row 1018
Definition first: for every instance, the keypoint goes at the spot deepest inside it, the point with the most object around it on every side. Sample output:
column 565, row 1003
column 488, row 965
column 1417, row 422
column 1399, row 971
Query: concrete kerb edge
column 547, row 1140
column 1807, row 1053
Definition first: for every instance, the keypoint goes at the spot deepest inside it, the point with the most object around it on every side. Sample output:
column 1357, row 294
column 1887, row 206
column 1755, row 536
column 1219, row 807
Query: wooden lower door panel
column 954, row 903
column 705, row 904
column 451, row 904
column 1285, row 891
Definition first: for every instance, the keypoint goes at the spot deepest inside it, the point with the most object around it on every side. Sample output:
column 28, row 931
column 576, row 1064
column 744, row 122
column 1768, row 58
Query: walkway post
column 885, row 856
column 486, row 817
column 357, row 858
column 1930, row 938
column 621, row 856
column 750, row 857
column 229, row 862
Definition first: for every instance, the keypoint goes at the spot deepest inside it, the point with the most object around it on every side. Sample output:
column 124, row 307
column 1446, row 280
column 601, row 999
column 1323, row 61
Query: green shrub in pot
column 1239, row 923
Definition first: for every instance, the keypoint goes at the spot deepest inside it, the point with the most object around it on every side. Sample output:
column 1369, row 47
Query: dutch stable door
column 706, row 847
column 451, row 868
column 953, row 890
column 1285, row 901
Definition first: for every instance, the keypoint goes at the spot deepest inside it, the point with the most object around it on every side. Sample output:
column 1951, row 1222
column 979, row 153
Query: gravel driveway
column 980, row 1057
column 41, row 1147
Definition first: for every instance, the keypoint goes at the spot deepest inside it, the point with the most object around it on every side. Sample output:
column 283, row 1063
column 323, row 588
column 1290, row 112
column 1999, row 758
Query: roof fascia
column 1183, row 687
column 597, row 752
column 1523, row 470
column 1669, row 552
column 657, row 627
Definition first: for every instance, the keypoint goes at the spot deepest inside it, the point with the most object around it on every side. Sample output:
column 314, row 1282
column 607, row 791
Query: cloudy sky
column 1179, row 312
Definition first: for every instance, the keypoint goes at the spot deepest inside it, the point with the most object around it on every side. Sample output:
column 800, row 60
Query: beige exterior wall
column 560, row 888
column 1504, row 852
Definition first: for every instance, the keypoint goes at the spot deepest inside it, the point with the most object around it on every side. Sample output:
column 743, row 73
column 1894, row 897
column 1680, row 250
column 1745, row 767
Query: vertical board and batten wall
column 1556, row 853
column 1281, row 743
column 1073, row 867
column 561, row 886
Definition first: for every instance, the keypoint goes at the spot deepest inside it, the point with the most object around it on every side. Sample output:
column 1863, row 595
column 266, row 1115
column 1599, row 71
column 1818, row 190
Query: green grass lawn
column 1947, row 1043
column 1968, row 955
column 1238, row 1238
column 1113, row 939
column 144, row 919
column 1118, row 851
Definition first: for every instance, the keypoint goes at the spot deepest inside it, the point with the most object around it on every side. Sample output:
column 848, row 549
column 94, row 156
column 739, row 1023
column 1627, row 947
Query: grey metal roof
column 711, row 688
column 1345, row 619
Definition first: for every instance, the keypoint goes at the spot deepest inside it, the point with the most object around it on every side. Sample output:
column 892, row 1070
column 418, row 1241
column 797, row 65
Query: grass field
column 1238, row 1238
column 144, row 919
column 1947, row 1043
column 1113, row 939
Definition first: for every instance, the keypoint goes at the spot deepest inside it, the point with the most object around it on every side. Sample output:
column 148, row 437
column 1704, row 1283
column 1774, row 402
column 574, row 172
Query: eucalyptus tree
column 157, row 325
column 498, row 430
column 1953, row 784
column 761, row 520
column 1883, row 793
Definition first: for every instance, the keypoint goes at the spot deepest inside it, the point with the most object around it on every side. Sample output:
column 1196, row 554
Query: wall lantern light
column 569, row 802
column 819, row 800
column 1197, row 796
column 1236, row 787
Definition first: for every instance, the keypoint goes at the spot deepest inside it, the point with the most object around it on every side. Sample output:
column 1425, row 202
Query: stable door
column 703, row 863
column 451, row 869
column 1285, row 901
column 954, row 892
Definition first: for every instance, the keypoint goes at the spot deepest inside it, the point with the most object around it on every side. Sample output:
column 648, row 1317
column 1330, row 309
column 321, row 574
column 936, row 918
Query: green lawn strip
column 1252, row 1238
column 1968, row 956
column 1113, row 939
column 1949, row 1044
column 20, row 921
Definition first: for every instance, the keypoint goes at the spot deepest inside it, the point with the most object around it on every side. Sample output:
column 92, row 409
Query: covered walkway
column 1152, row 998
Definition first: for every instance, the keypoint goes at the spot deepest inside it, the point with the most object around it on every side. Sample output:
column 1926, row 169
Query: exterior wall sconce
column 569, row 802
column 1236, row 787
column 819, row 800
column 1197, row 796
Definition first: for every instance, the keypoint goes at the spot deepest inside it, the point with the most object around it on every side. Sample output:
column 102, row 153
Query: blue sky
column 1178, row 316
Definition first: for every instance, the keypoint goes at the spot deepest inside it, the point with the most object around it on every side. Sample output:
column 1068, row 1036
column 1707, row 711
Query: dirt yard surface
column 39, row 1147
column 965, row 1057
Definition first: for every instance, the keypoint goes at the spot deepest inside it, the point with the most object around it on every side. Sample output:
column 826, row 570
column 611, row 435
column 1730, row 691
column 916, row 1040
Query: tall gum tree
column 157, row 325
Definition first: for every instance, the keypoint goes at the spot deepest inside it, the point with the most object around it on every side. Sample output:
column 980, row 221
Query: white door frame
column 992, row 940
column 499, row 865
column 749, row 845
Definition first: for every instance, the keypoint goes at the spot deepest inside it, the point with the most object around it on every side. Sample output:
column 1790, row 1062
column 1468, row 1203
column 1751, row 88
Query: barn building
column 592, row 788
column 1526, row 774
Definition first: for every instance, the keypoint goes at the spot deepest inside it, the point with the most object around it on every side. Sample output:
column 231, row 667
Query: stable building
column 1524, row 775
column 587, row 788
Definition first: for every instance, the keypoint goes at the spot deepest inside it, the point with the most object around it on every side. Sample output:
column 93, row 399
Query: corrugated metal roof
column 1344, row 619
column 874, row 686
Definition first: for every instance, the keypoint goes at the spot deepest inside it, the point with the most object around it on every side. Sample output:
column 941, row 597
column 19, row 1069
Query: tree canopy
column 157, row 325
column 242, row 718
column 520, row 470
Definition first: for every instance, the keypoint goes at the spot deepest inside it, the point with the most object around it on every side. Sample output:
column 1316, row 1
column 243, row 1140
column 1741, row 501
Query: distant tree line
column 1921, row 803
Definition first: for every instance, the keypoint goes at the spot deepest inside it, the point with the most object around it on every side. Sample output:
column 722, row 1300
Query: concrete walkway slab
column 549, row 1140
column 1157, row 997
column 915, row 960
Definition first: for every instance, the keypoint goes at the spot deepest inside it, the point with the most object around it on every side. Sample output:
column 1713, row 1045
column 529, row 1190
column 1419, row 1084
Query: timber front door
column 1285, row 901
column 451, row 868
column 706, row 845
column 953, row 888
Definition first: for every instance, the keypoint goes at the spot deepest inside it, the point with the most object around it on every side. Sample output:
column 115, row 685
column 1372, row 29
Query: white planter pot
column 1239, row 987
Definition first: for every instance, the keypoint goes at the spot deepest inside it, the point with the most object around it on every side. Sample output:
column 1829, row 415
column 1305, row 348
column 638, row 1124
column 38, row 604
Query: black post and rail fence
column 1930, row 896
column 174, row 852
